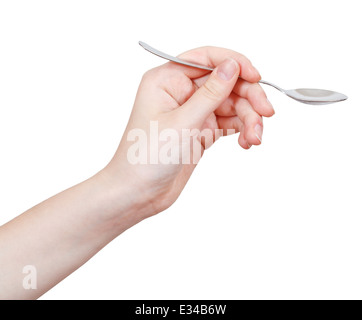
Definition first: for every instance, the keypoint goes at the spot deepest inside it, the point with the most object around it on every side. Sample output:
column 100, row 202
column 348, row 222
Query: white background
column 280, row 221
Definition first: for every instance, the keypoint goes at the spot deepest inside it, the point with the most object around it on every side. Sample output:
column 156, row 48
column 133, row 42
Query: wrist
column 123, row 201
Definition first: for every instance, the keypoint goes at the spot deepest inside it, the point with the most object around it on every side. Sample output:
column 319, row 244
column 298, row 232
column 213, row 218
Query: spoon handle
column 272, row 85
column 177, row 60
column 171, row 58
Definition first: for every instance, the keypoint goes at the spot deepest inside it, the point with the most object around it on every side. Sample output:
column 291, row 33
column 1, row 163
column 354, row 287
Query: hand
column 177, row 97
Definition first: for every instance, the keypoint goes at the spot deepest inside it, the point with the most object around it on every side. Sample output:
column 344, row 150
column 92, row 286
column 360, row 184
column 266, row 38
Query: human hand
column 173, row 99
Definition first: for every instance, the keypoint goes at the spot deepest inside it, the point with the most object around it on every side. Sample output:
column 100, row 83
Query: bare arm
column 60, row 234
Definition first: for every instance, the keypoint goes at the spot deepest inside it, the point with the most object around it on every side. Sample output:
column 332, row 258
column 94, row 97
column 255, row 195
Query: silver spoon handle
column 177, row 60
column 272, row 85
column 171, row 58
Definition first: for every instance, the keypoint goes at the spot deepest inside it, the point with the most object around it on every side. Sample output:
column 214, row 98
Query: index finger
column 213, row 56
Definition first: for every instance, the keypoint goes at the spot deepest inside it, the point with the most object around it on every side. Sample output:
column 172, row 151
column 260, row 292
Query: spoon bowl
column 303, row 95
column 310, row 96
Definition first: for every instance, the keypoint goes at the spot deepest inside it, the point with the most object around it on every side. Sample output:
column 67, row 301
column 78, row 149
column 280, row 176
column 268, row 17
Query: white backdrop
column 280, row 221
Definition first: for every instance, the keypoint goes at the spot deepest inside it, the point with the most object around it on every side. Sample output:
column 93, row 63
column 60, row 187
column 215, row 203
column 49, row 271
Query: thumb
column 213, row 92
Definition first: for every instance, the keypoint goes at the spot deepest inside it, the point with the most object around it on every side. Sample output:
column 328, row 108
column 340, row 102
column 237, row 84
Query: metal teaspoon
column 308, row 96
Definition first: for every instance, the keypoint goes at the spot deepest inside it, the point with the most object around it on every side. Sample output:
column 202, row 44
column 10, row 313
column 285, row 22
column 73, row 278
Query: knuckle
column 187, row 89
column 148, row 75
column 155, row 74
column 242, row 108
column 212, row 91
column 256, row 90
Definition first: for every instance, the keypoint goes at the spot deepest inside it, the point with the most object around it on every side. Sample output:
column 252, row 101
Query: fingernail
column 258, row 131
column 254, row 71
column 270, row 105
column 227, row 69
column 257, row 71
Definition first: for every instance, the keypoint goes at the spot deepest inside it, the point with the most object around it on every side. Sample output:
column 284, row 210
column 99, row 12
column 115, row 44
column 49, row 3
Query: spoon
column 308, row 96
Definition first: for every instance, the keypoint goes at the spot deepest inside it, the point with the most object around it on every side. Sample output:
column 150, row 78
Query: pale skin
column 60, row 234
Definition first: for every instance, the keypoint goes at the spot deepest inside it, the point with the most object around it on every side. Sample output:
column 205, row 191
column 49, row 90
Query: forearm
column 60, row 234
